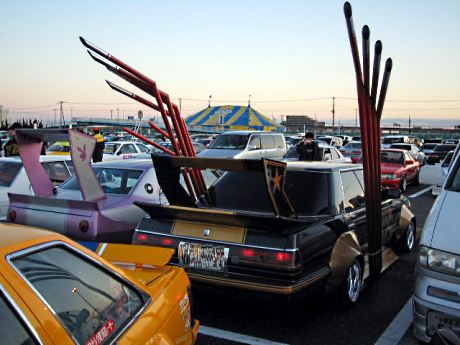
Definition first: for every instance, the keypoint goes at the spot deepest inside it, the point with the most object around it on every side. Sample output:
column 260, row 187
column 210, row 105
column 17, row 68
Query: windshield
column 392, row 140
column 307, row 191
column 444, row 148
column 8, row 172
column 113, row 181
column 59, row 147
column 392, row 157
column 230, row 142
column 353, row 146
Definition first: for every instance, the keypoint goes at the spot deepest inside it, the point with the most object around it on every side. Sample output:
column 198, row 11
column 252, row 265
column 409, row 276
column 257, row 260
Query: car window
column 70, row 167
column 279, row 141
column 8, row 172
column 112, row 180
column 143, row 148
column 408, row 156
column 57, row 171
column 392, row 157
column 255, row 141
column 88, row 300
column 353, row 193
column 267, row 142
column 59, row 147
column 334, row 154
column 111, row 149
column 127, row 148
column 230, row 142
column 13, row 330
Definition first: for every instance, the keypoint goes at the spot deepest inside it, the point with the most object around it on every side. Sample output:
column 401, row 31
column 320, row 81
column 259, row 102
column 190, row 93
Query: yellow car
column 54, row 291
column 59, row 148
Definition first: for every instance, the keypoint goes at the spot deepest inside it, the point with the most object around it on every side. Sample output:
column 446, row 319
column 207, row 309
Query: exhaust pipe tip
column 347, row 9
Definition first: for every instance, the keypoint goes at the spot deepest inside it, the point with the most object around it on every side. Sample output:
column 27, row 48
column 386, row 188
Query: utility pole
column 180, row 105
column 356, row 119
column 333, row 115
column 409, row 122
column 1, row 114
column 55, row 118
column 61, row 115
column 118, row 114
column 111, row 114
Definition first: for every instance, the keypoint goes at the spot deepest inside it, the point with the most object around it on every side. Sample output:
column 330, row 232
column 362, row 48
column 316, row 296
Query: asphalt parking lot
column 248, row 320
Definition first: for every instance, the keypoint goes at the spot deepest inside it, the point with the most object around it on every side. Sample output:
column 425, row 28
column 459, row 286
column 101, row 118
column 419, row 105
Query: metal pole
column 333, row 115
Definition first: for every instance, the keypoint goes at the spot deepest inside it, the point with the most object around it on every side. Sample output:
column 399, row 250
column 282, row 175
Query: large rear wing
column 30, row 143
column 168, row 170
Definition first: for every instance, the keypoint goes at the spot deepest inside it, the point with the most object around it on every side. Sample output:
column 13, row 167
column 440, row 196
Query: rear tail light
column 150, row 239
column 83, row 226
column 12, row 215
column 270, row 259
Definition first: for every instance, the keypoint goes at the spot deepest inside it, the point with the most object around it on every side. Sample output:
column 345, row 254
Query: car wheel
column 351, row 287
column 417, row 178
column 407, row 241
column 403, row 184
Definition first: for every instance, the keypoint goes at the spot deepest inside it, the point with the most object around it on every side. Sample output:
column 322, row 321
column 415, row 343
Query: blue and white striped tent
column 231, row 117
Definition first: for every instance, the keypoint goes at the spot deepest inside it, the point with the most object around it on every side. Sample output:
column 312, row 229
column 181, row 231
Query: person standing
column 100, row 146
column 308, row 149
column 11, row 146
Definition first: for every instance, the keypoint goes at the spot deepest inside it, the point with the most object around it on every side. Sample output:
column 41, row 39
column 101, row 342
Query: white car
column 436, row 174
column 329, row 153
column 124, row 150
column 13, row 177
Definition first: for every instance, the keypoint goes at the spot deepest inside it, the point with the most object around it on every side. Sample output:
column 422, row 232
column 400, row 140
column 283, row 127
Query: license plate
column 202, row 256
column 436, row 321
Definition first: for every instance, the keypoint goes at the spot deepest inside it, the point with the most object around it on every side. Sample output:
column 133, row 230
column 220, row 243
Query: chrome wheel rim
column 354, row 281
column 410, row 236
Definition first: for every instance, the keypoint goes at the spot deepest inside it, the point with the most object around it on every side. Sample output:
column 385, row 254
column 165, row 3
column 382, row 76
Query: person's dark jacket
column 11, row 147
column 99, row 149
column 309, row 152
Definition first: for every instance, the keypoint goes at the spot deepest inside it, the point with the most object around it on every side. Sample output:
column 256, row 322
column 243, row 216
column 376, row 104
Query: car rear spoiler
column 74, row 207
column 167, row 169
column 30, row 144
column 242, row 219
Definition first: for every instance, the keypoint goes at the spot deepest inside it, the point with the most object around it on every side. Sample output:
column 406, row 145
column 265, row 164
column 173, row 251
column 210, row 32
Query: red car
column 398, row 169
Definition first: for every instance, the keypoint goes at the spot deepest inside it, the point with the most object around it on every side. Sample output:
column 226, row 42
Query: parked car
column 439, row 152
column 398, row 169
column 352, row 150
column 204, row 142
column 252, row 238
column 54, row 291
column 330, row 140
column 418, row 155
column 196, row 146
column 388, row 140
column 345, row 138
column 111, row 219
column 428, row 148
column 329, row 154
column 246, row 145
column 451, row 141
column 436, row 174
column 124, row 150
column 436, row 302
column 14, row 179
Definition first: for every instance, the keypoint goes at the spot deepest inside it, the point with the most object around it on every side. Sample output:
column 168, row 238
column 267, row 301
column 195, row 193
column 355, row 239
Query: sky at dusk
column 292, row 57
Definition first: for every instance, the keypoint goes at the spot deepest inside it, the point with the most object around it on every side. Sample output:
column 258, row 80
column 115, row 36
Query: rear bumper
column 391, row 183
column 263, row 285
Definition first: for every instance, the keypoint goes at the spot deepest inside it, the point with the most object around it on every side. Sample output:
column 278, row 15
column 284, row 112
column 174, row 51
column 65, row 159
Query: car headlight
column 439, row 260
column 388, row 176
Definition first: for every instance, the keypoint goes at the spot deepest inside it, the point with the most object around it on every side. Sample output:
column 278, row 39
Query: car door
column 268, row 146
column 354, row 204
column 411, row 166
column 127, row 151
column 254, row 148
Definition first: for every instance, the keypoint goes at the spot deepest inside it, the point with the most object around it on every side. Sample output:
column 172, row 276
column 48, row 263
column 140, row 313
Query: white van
column 437, row 274
column 247, row 145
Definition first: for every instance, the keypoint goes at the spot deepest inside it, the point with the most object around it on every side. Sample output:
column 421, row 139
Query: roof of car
column 248, row 132
column 43, row 158
column 12, row 235
column 123, row 142
column 322, row 166
column 126, row 163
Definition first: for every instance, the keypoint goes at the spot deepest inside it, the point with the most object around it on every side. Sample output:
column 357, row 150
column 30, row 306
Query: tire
column 417, row 179
column 350, row 289
column 407, row 242
column 403, row 184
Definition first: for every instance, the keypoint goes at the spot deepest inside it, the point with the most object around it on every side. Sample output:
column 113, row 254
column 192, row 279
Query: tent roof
column 231, row 117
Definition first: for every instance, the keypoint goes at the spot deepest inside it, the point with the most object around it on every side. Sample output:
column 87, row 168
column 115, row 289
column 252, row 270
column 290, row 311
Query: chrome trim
column 55, row 243
column 19, row 312
column 212, row 241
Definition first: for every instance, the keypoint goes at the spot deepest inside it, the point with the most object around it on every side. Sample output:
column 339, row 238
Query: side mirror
column 432, row 175
column 252, row 147
column 391, row 194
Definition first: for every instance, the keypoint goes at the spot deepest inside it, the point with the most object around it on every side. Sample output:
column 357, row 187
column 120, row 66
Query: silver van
column 437, row 274
column 247, row 145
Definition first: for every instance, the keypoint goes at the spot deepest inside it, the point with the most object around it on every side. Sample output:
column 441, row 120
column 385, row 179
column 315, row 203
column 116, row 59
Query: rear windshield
column 8, row 172
column 444, row 148
column 393, row 140
column 402, row 147
column 392, row 157
column 92, row 303
column 113, row 181
column 307, row 191
column 59, row 147
column 230, row 142
column 429, row 146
